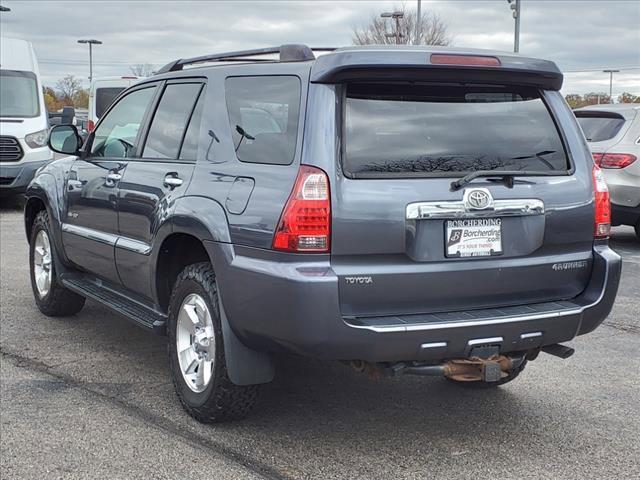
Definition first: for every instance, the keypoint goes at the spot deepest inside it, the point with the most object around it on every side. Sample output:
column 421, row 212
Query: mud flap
column 244, row 365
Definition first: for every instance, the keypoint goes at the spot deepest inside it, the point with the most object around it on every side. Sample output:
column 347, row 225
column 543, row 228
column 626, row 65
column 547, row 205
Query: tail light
column 603, row 204
column 614, row 160
column 464, row 60
column 305, row 223
column 91, row 126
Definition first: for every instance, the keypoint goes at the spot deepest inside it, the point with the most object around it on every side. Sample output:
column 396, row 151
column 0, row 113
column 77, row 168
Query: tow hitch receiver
column 473, row 369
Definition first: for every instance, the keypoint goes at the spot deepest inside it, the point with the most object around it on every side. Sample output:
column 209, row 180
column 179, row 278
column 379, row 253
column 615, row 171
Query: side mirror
column 68, row 114
column 65, row 139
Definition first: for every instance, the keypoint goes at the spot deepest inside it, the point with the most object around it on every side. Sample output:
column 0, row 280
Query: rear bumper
column 623, row 215
column 293, row 305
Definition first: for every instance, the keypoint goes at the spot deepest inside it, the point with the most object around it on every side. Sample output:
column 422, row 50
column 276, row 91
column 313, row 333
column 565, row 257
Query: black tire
column 221, row 400
column 637, row 229
column 480, row 385
column 59, row 301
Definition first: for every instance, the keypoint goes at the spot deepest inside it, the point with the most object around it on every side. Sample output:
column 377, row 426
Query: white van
column 24, row 124
column 102, row 93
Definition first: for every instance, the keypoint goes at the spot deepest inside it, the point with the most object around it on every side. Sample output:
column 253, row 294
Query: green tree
column 51, row 101
column 574, row 100
column 81, row 99
column 595, row 98
column 627, row 97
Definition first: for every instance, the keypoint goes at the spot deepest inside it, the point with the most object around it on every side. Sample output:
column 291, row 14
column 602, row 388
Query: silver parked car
column 613, row 133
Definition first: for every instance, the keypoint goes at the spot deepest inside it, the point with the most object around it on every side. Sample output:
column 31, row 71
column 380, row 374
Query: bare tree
column 142, row 69
column 381, row 31
column 67, row 88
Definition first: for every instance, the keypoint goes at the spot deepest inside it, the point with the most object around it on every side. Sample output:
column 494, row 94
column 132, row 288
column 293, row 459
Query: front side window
column 423, row 130
column 170, row 120
column 264, row 114
column 18, row 94
column 116, row 135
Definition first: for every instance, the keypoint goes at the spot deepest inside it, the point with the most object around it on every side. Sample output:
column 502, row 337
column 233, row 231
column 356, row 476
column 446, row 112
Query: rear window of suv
column 263, row 116
column 425, row 130
column 599, row 126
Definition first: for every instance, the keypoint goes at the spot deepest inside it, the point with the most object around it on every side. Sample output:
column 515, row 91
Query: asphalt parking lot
column 90, row 397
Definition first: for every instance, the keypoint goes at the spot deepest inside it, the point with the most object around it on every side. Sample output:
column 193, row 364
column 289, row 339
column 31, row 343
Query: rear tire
column 480, row 385
column 196, row 351
column 51, row 297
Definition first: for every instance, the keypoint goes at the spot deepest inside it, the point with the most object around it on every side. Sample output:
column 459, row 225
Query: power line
column 587, row 70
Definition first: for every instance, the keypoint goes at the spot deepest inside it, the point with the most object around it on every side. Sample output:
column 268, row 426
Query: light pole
column 515, row 6
column 610, row 72
column 397, row 16
column 419, row 23
column 91, row 43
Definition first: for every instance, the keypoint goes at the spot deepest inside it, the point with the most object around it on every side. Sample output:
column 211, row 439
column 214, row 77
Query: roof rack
column 287, row 53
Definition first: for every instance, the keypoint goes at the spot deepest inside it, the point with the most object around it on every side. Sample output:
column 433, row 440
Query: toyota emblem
column 477, row 199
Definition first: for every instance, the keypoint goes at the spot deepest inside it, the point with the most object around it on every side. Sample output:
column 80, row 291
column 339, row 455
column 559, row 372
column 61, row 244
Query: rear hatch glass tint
column 105, row 97
column 600, row 126
column 425, row 130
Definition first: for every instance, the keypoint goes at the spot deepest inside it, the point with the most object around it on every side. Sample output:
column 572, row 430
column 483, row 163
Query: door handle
column 172, row 182
column 114, row 177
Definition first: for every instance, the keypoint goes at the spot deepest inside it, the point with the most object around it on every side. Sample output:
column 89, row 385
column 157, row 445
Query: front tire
column 51, row 297
column 196, row 351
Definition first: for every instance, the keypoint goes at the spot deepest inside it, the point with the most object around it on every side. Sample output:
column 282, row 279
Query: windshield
column 18, row 94
column 600, row 127
column 422, row 130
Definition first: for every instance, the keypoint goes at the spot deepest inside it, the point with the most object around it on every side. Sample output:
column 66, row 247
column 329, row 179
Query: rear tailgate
column 405, row 242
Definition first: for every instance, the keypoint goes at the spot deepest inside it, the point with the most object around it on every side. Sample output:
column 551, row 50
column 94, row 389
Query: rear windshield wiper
column 507, row 176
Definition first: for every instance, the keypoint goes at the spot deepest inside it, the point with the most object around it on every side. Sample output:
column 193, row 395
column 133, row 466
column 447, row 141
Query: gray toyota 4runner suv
column 405, row 210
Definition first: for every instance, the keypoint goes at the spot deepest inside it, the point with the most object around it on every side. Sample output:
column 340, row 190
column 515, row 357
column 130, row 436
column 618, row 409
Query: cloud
column 577, row 34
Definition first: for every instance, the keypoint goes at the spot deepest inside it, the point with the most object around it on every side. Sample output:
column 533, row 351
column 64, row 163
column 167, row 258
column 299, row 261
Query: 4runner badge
column 558, row 267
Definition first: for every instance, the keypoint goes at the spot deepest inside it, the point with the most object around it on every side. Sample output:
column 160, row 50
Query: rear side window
column 263, row 114
column 599, row 126
column 426, row 130
column 105, row 97
column 170, row 120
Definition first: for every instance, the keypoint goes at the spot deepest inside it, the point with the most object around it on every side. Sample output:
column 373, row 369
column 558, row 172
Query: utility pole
column 396, row 16
column 515, row 6
column 610, row 72
column 91, row 43
column 419, row 23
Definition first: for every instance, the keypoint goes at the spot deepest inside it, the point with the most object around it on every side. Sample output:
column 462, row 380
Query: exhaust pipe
column 558, row 350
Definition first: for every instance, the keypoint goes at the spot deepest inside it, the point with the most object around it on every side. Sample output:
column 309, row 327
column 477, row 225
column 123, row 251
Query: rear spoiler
column 417, row 64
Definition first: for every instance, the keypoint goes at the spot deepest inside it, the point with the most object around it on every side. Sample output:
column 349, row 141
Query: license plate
column 474, row 237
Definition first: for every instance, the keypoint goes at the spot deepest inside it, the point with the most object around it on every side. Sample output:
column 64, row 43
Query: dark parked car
column 406, row 210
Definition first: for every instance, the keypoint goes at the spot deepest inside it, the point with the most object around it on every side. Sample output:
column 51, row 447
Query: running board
column 95, row 289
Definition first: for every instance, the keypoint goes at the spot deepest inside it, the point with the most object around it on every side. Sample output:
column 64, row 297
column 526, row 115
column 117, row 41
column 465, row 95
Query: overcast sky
column 577, row 34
